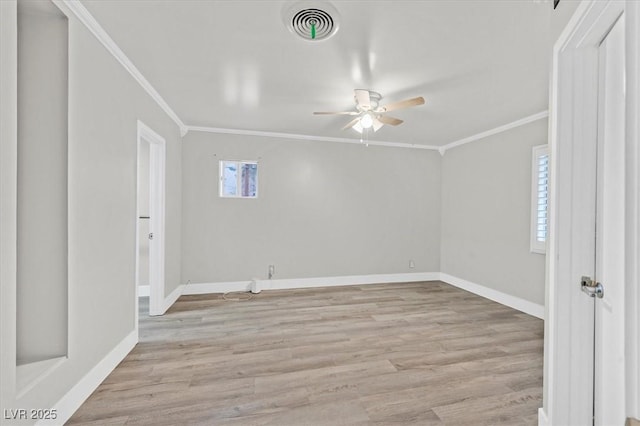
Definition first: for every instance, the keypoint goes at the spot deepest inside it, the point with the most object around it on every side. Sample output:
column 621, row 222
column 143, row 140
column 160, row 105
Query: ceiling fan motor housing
column 374, row 100
column 312, row 20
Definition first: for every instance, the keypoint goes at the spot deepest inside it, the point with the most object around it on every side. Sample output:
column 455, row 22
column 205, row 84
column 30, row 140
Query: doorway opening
column 150, row 222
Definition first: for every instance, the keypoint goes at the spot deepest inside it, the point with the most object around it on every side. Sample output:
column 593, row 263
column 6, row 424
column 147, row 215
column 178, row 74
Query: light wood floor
column 418, row 353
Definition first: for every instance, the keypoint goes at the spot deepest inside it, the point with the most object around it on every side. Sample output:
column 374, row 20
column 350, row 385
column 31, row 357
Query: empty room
column 258, row 212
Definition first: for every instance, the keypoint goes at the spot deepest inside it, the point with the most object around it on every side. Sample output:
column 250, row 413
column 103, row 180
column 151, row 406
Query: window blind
column 542, row 197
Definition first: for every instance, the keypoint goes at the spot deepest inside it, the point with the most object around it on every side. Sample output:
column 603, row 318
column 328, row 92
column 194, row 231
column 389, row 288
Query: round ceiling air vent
column 312, row 21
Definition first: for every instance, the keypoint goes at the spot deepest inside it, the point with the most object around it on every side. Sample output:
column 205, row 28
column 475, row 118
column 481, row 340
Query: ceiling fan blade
column 351, row 123
column 403, row 104
column 363, row 98
column 390, row 120
column 336, row 113
column 377, row 124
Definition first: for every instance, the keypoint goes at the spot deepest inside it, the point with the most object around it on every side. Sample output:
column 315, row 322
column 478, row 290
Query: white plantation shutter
column 543, row 193
column 539, row 198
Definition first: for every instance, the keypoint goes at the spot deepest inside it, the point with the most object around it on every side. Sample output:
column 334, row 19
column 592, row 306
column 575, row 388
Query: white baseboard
column 73, row 399
column 497, row 296
column 219, row 287
column 350, row 280
column 542, row 417
column 282, row 284
column 144, row 290
column 171, row 298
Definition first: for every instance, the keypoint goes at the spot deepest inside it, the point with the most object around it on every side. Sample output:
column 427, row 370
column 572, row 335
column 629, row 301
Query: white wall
column 104, row 106
column 324, row 209
column 486, row 202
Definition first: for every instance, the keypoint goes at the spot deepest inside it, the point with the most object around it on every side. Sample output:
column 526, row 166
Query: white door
column 609, row 380
column 584, row 377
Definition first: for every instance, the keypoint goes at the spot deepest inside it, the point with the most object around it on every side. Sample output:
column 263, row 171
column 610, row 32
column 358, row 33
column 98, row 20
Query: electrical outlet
column 272, row 271
column 411, row 264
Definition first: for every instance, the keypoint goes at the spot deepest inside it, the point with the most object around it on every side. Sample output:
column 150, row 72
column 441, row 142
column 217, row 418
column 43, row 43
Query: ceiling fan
column 370, row 114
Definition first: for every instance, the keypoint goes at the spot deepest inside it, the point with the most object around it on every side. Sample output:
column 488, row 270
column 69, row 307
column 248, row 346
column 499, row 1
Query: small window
column 539, row 198
column 239, row 179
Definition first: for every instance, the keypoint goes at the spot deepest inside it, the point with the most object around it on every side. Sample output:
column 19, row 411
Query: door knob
column 592, row 287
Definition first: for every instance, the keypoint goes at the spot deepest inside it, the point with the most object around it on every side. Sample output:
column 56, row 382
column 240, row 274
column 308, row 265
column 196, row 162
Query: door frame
column 157, row 160
column 632, row 211
column 568, row 391
column 609, row 365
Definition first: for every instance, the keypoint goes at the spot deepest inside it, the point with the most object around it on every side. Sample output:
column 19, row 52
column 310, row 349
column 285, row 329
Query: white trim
column 495, row 131
column 171, row 298
column 148, row 133
column 542, row 418
column 73, row 399
column 291, row 283
column 441, row 149
column 514, row 302
column 190, row 289
column 632, row 290
column 96, row 29
column 307, row 137
column 352, row 280
column 144, row 291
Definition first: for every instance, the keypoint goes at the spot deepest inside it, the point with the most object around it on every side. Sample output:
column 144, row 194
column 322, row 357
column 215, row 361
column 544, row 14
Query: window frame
column 536, row 246
column 239, row 164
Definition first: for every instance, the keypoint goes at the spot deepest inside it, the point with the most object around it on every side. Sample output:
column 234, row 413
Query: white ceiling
column 234, row 64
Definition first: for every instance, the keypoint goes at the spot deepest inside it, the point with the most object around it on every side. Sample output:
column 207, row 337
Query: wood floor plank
column 508, row 408
column 421, row 353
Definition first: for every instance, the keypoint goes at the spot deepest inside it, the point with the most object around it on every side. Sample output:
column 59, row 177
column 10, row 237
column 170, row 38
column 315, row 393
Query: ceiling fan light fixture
column 366, row 121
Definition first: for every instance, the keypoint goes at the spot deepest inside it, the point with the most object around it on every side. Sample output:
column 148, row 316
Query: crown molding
column 96, row 29
column 526, row 120
column 441, row 149
column 307, row 137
